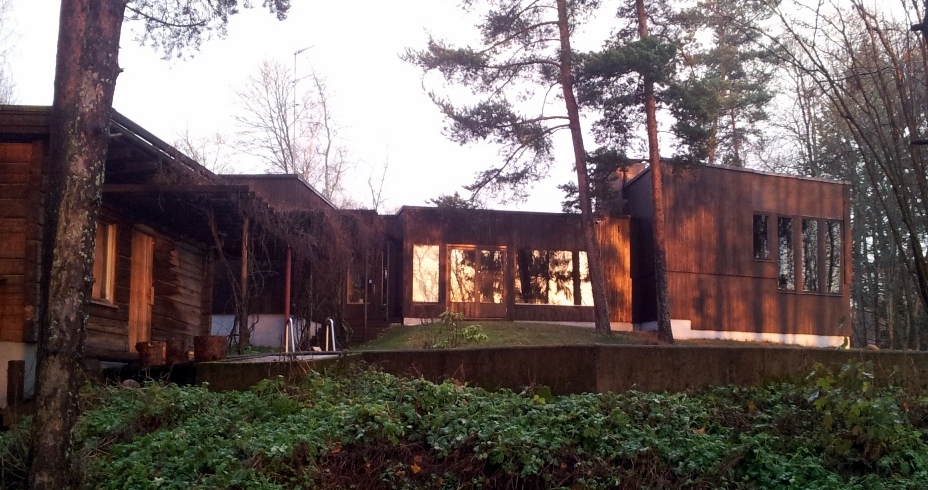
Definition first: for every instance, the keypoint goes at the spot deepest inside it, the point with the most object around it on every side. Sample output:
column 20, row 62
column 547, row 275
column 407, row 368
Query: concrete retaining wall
column 576, row 369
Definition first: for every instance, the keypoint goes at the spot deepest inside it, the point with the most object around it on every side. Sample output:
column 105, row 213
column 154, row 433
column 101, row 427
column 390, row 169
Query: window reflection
column 786, row 277
column 491, row 276
column 356, row 285
column 551, row 277
column 425, row 273
column 810, row 255
column 462, row 270
column 833, row 256
column 104, row 262
column 761, row 240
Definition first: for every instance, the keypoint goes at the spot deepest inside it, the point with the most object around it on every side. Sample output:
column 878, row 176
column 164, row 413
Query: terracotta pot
column 151, row 353
column 177, row 351
column 210, row 348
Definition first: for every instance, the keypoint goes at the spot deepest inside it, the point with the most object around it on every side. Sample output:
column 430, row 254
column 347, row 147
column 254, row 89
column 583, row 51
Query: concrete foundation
column 578, row 369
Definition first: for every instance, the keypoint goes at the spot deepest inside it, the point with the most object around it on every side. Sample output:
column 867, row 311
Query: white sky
column 378, row 99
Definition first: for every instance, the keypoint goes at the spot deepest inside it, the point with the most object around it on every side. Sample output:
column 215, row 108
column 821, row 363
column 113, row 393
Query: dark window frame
column 822, row 251
column 761, row 238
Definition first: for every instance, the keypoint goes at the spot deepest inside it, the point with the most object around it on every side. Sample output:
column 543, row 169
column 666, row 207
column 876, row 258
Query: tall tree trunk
column 664, row 331
column 600, row 301
column 85, row 79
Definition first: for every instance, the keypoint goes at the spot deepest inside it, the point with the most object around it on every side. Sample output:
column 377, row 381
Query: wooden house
column 510, row 265
column 750, row 255
column 162, row 219
column 411, row 266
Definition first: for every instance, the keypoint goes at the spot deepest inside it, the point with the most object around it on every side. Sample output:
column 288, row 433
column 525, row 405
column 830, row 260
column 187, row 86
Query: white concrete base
column 616, row 326
column 268, row 329
column 409, row 322
column 17, row 351
column 682, row 329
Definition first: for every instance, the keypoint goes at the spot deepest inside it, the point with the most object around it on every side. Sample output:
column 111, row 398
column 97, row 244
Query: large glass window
column 786, row 277
column 552, row 277
column 356, row 281
column 104, row 262
column 810, row 255
column 385, row 275
column 491, row 276
column 462, row 269
column 820, row 252
column 833, row 256
column 761, row 237
column 425, row 273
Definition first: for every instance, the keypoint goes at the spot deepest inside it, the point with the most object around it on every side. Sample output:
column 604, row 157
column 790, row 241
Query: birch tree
column 292, row 131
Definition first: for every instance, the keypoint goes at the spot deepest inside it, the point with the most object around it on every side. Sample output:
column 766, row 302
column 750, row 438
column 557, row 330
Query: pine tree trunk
column 664, row 331
column 85, row 79
column 600, row 301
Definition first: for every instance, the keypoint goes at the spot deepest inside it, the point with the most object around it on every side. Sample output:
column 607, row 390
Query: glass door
column 476, row 283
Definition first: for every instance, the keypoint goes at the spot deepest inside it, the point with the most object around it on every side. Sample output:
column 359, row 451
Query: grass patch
column 505, row 334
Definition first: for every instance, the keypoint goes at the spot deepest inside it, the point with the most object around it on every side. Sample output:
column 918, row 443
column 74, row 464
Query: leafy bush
column 452, row 334
column 361, row 428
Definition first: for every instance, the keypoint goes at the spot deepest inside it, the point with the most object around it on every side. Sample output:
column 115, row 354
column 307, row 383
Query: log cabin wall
column 511, row 231
column 21, row 217
column 714, row 279
column 181, row 277
column 180, row 307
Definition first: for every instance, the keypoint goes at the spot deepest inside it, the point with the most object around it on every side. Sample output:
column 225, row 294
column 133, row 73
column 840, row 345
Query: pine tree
column 524, row 50
column 85, row 80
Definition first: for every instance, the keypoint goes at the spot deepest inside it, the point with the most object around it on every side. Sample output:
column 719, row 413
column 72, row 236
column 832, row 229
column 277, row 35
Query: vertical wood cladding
column 715, row 281
column 513, row 231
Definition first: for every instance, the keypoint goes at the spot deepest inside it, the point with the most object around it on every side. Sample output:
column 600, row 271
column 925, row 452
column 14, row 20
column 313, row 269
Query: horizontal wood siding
column 20, row 201
column 548, row 313
column 182, row 301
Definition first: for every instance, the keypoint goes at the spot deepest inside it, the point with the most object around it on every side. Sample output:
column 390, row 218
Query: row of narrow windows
column 808, row 252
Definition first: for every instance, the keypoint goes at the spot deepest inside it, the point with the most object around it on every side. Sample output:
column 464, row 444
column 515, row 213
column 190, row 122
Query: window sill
column 104, row 303
column 810, row 293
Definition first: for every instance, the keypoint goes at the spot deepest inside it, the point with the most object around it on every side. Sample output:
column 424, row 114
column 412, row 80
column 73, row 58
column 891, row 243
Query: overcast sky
column 378, row 99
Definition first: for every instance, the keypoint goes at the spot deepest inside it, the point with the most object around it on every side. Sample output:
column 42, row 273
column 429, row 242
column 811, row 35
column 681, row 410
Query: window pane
column 586, row 286
column 560, row 278
column 833, row 256
column 461, row 267
column 531, row 277
column 786, row 278
column 385, row 275
column 761, row 237
column 103, row 262
column 491, row 276
column 810, row 255
column 356, row 285
column 425, row 273
column 547, row 277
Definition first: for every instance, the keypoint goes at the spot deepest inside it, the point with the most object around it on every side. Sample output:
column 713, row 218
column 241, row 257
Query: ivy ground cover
column 359, row 428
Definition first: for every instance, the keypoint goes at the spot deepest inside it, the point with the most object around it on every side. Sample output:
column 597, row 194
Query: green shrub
column 363, row 428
